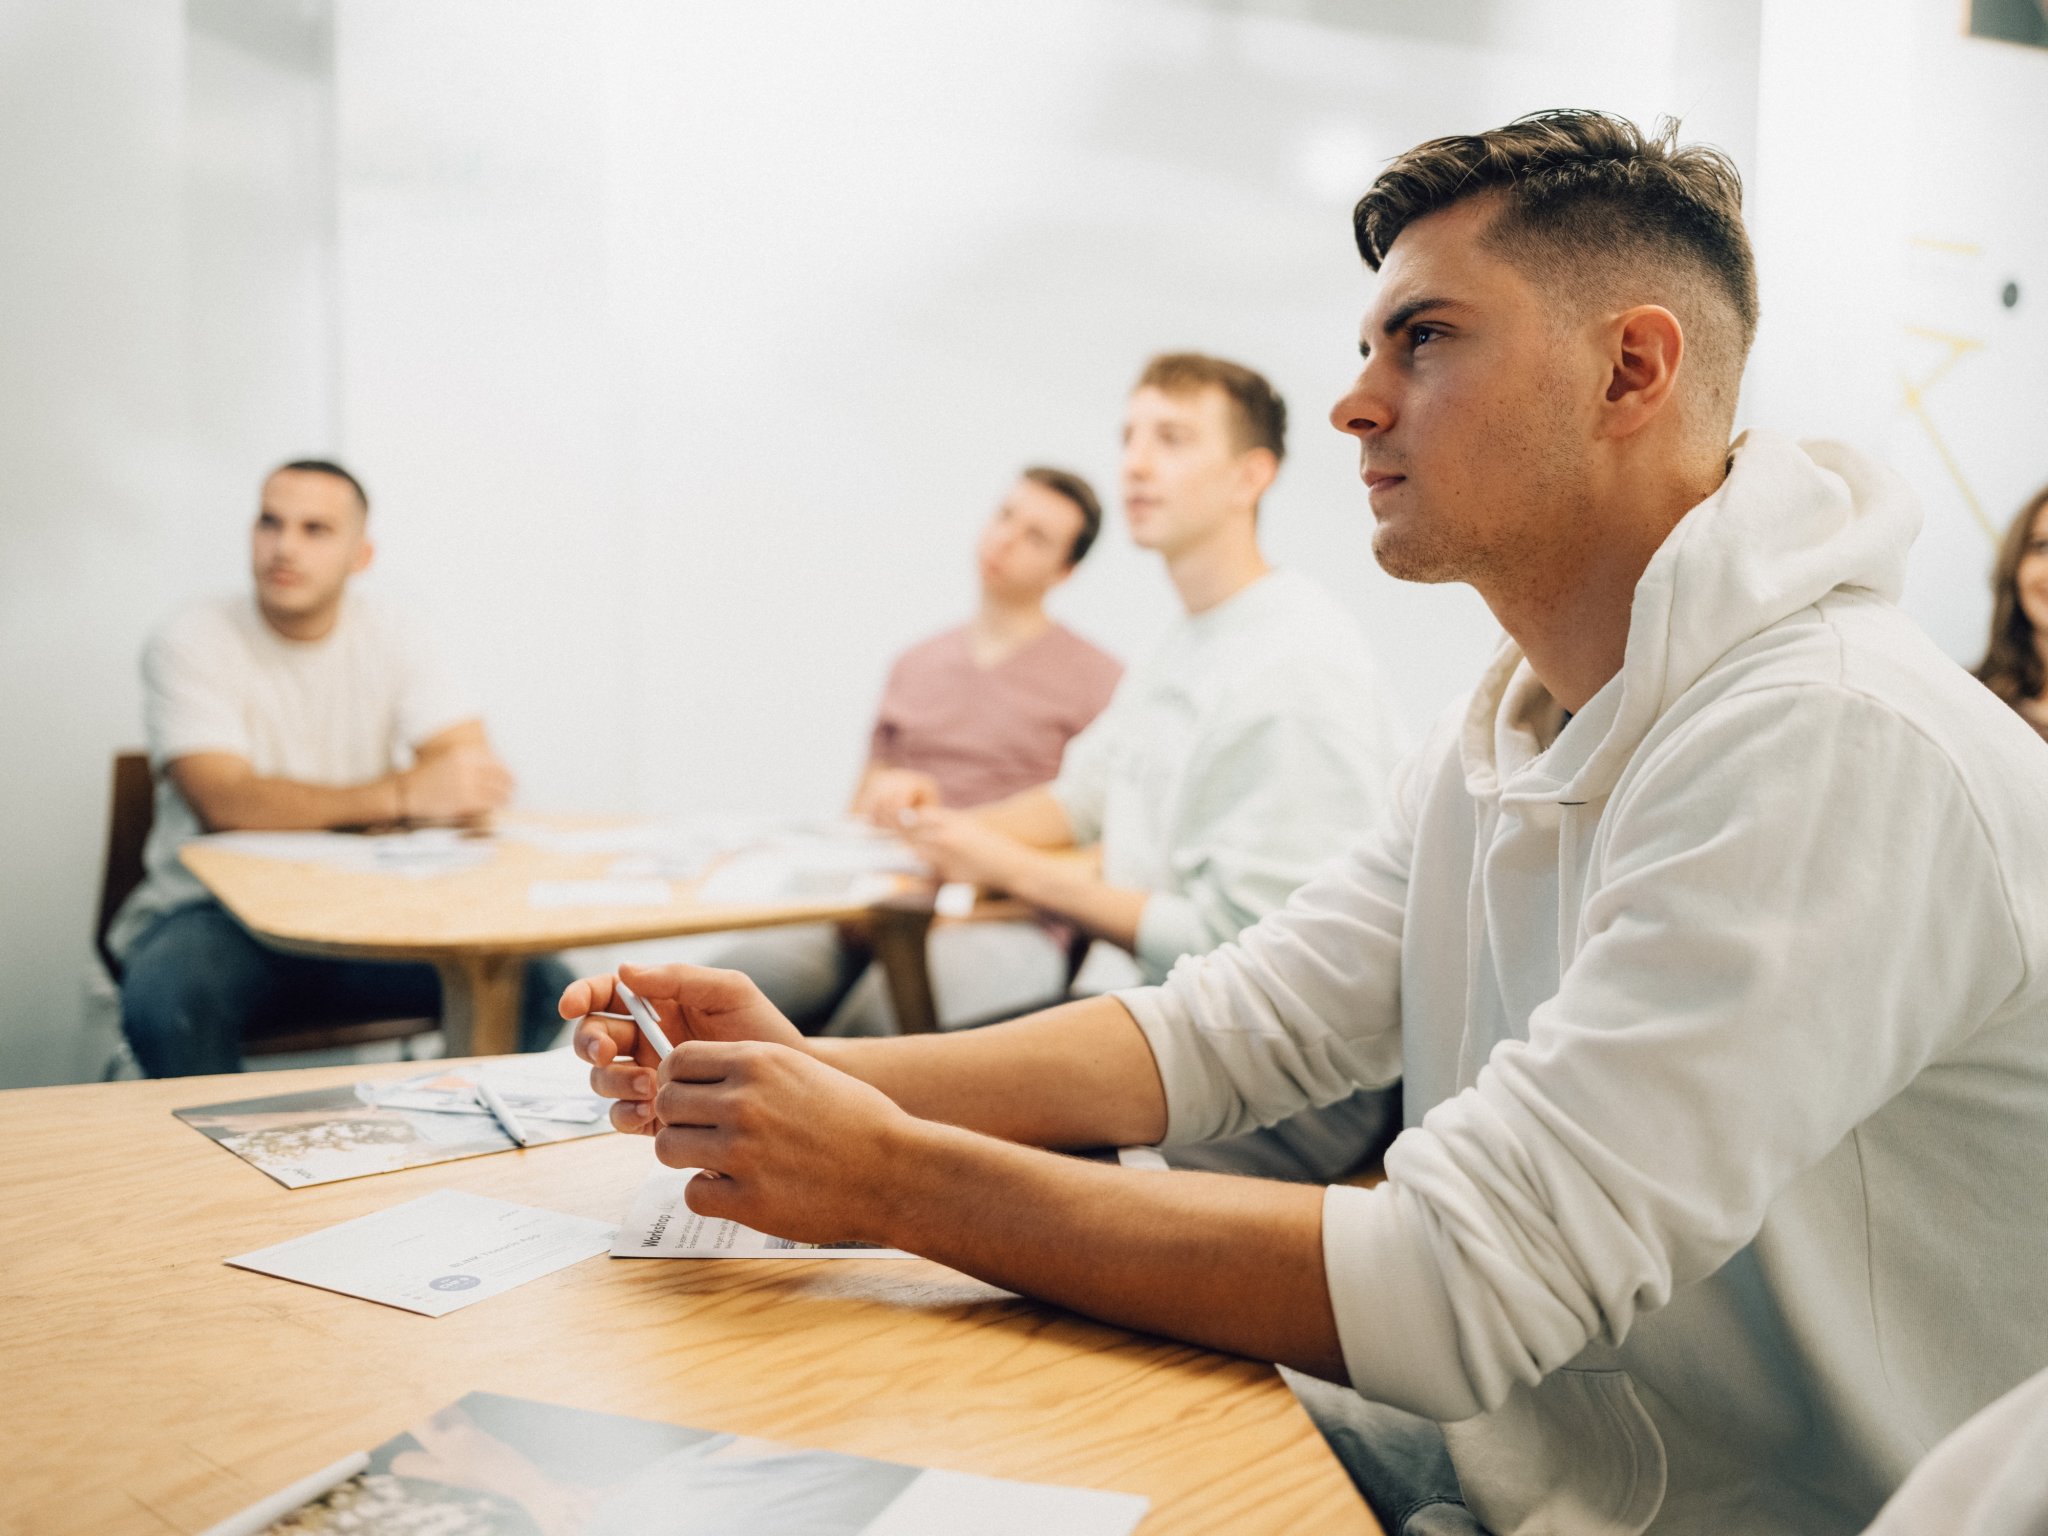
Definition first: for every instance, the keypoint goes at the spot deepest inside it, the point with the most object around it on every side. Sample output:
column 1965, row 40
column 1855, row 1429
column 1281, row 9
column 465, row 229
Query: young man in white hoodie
column 1708, row 939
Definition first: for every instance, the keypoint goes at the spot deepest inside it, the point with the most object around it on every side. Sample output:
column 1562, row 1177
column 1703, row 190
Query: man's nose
column 1360, row 412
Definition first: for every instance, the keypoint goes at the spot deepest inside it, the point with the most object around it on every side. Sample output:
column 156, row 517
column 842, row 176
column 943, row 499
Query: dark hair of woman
column 2012, row 666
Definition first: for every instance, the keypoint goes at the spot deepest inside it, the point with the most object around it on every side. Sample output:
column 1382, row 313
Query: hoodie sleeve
column 1798, row 909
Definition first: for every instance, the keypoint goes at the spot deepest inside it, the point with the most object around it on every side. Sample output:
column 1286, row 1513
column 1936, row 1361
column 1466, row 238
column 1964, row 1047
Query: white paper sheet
column 435, row 1254
column 426, row 851
column 644, row 892
column 662, row 1226
column 941, row 1503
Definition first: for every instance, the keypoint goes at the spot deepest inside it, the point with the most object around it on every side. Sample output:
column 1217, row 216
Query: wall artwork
column 2010, row 21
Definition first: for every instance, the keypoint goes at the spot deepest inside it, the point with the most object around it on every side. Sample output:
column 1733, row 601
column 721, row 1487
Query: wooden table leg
column 897, row 930
column 480, row 1003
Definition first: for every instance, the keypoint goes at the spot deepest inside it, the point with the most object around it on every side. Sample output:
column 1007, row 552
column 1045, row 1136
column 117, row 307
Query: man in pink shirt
column 970, row 716
column 980, row 712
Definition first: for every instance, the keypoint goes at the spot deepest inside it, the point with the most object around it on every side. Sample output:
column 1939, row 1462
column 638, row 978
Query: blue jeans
column 195, row 982
column 1397, row 1461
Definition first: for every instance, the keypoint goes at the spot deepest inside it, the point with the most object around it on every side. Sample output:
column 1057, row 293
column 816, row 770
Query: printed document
column 546, row 1085
column 662, row 1226
column 648, row 891
column 497, row 1466
column 435, row 1254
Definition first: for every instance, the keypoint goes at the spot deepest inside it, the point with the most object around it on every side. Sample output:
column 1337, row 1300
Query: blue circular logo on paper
column 454, row 1282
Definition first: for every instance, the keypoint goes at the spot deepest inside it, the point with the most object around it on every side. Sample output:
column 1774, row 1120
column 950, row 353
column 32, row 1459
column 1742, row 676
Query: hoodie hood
column 1792, row 522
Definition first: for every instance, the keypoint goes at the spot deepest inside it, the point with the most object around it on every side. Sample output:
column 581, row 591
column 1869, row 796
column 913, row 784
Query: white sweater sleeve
column 1304, row 1007
column 1798, row 910
column 1275, row 788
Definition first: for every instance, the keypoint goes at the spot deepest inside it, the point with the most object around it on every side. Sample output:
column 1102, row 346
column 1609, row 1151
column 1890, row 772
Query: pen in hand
column 650, row 1031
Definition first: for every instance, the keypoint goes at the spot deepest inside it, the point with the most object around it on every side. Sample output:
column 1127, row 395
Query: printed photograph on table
column 491, row 1466
column 328, row 1134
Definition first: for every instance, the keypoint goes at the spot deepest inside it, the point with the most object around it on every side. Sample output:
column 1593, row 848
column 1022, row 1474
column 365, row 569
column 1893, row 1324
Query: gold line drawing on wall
column 1915, row 400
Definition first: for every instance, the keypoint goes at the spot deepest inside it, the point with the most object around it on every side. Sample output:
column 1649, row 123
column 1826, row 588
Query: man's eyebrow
column 1407, row 313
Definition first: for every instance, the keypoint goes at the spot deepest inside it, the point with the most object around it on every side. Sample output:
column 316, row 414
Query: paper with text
column 435, row 1254
column 661, row 1226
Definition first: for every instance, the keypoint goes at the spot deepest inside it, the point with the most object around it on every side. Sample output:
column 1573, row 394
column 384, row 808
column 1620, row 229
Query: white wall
column 163, row 330
column 685, row 352
column 1899, row 189
column 684, row 347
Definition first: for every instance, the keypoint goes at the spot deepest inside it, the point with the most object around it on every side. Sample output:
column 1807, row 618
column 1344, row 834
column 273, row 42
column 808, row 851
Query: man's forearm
column 1079, row 1075
column 1034, row 817
column 1233, row 1263
column 1072, row 890
column 259, row 804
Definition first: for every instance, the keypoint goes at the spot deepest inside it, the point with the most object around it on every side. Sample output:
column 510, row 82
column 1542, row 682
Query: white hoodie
column 1723, row 1024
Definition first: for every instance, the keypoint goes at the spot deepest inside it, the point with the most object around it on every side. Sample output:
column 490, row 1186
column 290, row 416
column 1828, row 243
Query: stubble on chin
column 1417, row 555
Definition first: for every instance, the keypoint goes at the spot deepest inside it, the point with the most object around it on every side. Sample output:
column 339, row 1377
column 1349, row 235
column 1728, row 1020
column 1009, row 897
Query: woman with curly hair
column 2016, row 665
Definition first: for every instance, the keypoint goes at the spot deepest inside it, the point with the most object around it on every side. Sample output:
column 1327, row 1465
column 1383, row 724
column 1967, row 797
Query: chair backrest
column 128, row 824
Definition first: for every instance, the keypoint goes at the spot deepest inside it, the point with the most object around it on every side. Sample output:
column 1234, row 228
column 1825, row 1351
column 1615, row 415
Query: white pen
column 501, row 1111
column 265, row 1513
column 650, row 1027
column 650, row 1031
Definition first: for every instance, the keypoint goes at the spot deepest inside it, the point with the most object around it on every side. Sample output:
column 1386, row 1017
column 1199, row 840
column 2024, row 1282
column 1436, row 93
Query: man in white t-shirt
column 1252, row 743
column 294, row 710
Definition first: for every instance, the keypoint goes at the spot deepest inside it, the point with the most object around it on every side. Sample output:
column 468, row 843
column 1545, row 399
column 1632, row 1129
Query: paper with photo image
column 322, row 1135
column 548, row 1085
column 661, row 1225
column 494, row 1466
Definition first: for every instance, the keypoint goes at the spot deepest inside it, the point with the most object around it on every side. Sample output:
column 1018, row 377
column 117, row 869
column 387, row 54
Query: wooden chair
column 898, row 930
column 132, row 813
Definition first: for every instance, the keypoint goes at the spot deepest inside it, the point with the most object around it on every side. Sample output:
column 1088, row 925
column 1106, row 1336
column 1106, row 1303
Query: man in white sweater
column 1251, row 742
column 1708, row 937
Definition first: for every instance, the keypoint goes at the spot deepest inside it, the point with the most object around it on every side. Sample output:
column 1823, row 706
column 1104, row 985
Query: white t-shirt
column 1252, row 744
column 344, row 709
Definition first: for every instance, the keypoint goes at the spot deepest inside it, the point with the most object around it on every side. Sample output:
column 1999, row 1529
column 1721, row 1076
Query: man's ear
column 365, row 552
column 1645, row 346
column 1257, row 469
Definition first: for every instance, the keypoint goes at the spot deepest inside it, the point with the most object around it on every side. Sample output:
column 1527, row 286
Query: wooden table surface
column 149, row 1388
column 475, row 924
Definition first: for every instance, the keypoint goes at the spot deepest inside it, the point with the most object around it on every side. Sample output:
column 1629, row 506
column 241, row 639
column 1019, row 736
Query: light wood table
column 474, row 925
column 149, row 1388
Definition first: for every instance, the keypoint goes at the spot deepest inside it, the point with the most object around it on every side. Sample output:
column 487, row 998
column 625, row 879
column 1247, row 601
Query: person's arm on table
column 884, row 794
column 805, row 1149
column 455, row 778
column 1033, row 817
column 971, row 846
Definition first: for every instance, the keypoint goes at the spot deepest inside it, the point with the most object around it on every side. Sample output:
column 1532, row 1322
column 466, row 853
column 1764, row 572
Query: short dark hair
column 1582, row 189
column 329, row 467
column 1070, row 485
column 1260, row 412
